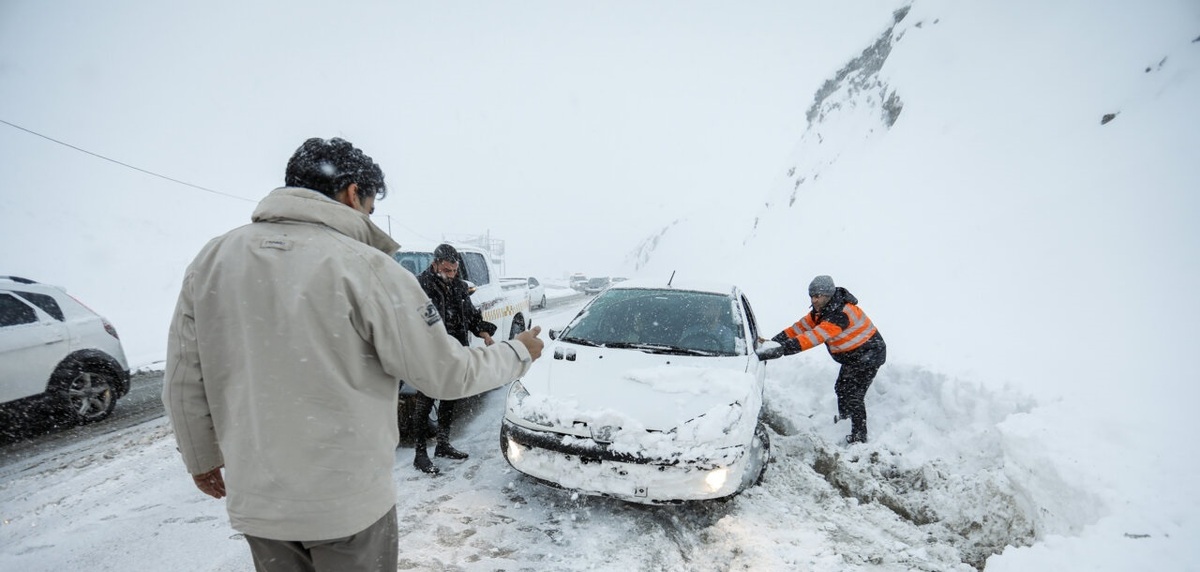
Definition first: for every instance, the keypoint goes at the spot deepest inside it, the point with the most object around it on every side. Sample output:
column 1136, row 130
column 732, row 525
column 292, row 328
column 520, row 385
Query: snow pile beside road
column 949, row 458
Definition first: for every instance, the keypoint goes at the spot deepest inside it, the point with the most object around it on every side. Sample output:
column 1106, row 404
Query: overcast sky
column 570, row 130
column 574, row 131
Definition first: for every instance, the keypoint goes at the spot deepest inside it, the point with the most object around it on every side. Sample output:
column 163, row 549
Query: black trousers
column 423, row 406
column 853, row 381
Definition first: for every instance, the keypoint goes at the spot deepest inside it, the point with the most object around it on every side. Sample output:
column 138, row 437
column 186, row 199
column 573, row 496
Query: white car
column 537, row 291
column 651, row 394
column 56, row 351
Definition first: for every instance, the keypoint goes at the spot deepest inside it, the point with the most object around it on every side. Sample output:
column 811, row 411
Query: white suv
column 55, row 350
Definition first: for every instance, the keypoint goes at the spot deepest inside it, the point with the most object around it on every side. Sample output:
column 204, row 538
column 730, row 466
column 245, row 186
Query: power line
column 127, row 165
column 185, row 183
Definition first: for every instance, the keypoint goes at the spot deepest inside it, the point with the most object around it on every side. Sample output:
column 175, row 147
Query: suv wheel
column 86, row 393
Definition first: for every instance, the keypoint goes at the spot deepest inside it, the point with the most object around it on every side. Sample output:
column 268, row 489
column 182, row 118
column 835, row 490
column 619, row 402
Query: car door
column 32, row 343
column 760, row 367
column 536, row 293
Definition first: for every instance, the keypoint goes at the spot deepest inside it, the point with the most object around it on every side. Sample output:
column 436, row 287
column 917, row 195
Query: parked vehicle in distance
column 652, row 394
column 537, row 293
column 597, row 284
column 577, row 281
column 535, row 289
column 55, row 351
column 503, row 303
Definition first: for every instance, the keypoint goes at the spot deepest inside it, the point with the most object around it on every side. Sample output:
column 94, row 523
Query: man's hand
column 532, row 342
column 487, row 339
column 770, row 352
column 211, row 483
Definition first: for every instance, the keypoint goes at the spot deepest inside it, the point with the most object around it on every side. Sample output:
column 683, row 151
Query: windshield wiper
column 659, row 349
column 580, row 341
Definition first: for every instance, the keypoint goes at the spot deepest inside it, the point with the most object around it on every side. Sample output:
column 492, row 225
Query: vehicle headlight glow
column 716, row 479
column 514, row 451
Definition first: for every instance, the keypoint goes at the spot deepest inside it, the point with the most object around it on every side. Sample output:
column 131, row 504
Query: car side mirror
column 769, row 351
column 554, row 334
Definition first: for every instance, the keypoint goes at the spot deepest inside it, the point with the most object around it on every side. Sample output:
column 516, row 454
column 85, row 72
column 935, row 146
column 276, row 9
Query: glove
column 770, row 351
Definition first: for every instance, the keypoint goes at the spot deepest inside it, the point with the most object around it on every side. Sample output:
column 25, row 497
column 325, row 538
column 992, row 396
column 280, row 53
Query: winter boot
column 445, row 419
column 421, row 460
column 446, row 450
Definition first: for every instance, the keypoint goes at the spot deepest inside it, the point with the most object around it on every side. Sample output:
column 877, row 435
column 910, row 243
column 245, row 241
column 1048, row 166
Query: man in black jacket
column 853, row 341
column 452, row 298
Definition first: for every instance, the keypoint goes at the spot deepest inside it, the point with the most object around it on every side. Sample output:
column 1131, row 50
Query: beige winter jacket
column 285, row 351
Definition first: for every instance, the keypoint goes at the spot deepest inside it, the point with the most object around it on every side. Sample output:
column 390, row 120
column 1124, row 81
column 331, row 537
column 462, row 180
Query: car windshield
column 660, row 321
column 415, row 262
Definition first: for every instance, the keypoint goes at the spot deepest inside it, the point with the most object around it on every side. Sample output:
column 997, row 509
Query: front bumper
column 589, row 467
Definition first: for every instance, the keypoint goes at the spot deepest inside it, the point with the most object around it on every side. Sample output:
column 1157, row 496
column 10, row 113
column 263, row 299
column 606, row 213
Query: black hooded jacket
column 453, row 301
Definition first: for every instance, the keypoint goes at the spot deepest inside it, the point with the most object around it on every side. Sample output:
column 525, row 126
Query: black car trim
column 588, row 450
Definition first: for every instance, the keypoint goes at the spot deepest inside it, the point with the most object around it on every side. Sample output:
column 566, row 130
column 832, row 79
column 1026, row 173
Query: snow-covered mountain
column 1011, row 193
column 961, row 161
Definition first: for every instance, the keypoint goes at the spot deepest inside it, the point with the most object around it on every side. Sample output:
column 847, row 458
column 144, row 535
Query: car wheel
column 518, row 326
column 543, row 304
column 764, row 439
column 86, row 393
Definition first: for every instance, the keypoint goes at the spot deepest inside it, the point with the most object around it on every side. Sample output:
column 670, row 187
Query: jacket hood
column 840, row 298
column 294, row 204
column 843, row 297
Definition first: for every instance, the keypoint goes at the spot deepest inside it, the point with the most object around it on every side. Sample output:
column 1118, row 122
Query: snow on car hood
column 637, row 390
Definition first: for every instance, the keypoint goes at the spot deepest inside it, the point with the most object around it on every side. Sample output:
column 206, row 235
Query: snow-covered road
column 912, row 499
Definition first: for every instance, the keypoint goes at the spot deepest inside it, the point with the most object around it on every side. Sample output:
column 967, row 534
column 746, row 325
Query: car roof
column 430, row 246
column 18, row 283
column 17, row 280
column 712, row 287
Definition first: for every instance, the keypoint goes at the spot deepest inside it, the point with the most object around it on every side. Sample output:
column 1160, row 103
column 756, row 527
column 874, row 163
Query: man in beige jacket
column 285, row 348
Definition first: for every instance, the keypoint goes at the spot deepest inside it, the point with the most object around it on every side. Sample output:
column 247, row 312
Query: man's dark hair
column 446, row 252
column 330, row 165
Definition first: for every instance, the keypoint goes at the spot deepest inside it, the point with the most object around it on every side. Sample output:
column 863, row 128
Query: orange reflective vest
column 810, row 333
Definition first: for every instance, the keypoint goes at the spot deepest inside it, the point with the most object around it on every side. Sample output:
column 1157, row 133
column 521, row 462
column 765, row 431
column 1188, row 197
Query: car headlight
column 517, row 395
column 515, row 451
column 603, row 433
column 715, row 479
